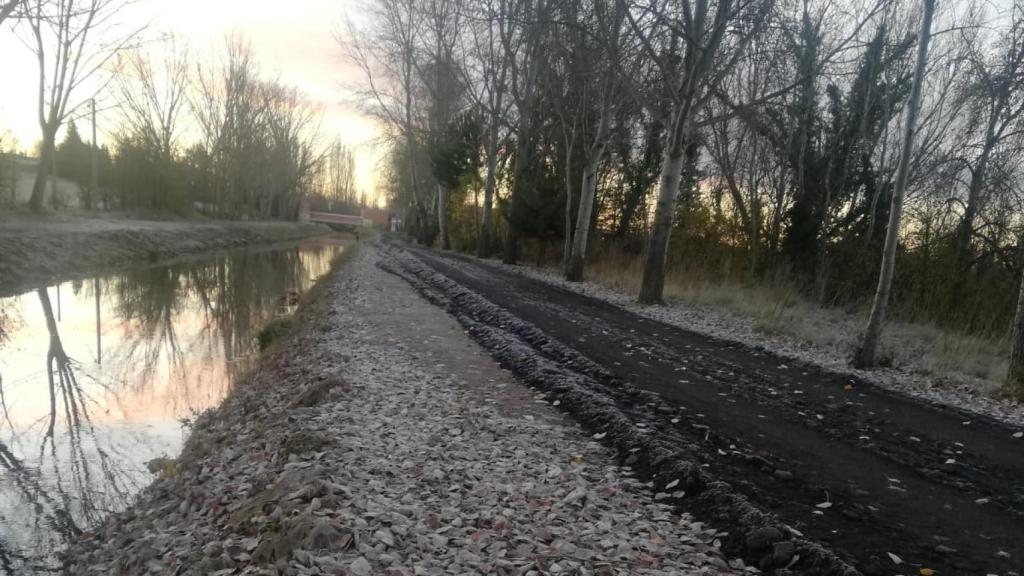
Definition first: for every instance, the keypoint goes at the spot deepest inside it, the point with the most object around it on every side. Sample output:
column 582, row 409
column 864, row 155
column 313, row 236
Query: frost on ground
column 719, row 323
column 383, row 441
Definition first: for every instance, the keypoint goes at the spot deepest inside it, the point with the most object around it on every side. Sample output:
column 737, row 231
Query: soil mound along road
column 811, row 471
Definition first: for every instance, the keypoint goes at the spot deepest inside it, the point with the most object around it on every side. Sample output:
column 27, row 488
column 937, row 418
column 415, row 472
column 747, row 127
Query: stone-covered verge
column 381, row 440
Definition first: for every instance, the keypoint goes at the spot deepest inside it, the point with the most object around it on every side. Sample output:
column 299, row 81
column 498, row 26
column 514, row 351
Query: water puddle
column 100, row 376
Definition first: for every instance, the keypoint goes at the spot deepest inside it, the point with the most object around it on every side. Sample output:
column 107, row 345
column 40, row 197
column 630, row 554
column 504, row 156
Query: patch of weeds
column 275, row 330
column 969, row 355
column 162, row 467
column 304, row 442
column 318, row 392
column 773, row 319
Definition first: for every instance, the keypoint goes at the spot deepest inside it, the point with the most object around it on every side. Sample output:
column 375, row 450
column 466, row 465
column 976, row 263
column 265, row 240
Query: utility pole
column 94, row 180
column 96, row 290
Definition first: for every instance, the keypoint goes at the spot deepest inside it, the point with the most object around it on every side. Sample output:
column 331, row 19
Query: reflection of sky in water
column 171, row 339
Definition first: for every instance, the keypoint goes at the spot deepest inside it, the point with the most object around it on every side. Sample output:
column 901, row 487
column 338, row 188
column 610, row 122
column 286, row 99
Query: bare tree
column 385, row 52
column 524, row 26
column 7, row 9
column 340, row 171
column 865, row 355
column 442, row 27
column 996, row 92
column 488, row 86
column 609, row 31
column 152, row 96
column 72, row 41
column 257, row 137
column 701, row 26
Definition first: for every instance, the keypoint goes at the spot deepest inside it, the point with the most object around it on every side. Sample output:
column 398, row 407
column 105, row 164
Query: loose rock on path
column 383, row 441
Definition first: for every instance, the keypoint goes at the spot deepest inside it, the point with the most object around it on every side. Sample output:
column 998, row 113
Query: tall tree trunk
column 568, row 236
column 484, row 249
column 865, row 355
column 755, row 235
column 511, row 253
column 966, row 228
column 652, row 285
column 538, row 12
column 442, row 216
column 584, row 221
column 588, row 190
column 1014, row 384
column 46, row 155
column 821, row 250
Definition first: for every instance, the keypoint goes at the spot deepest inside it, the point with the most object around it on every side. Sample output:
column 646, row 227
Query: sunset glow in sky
column 293, row 42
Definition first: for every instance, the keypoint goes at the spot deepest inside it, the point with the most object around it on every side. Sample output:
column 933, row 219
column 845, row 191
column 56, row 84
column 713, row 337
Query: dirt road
column 890, row 484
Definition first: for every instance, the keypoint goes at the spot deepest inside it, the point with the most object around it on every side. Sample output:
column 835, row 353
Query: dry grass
column 777, row 309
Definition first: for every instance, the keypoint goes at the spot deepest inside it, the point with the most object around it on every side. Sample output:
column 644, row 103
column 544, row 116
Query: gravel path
column 384, row 441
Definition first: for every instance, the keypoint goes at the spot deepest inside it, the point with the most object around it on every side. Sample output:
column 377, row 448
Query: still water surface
column 100, row 376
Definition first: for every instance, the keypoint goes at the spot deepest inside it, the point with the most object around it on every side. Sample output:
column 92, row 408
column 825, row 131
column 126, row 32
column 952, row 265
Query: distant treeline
column 257, row 156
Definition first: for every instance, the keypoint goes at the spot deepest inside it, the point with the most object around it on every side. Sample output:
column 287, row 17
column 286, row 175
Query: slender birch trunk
column 653, row 283
column 442, row 216
column 1014, row 385
column 966, row 228
column 588, row 197
column 569, row 196
column 865, row 355
column 484, row 247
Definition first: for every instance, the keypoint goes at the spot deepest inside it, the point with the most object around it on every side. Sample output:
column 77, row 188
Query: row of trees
column 217, row 136
column 766, row 138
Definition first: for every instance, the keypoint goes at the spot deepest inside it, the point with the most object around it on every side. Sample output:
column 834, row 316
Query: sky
column 293, row 42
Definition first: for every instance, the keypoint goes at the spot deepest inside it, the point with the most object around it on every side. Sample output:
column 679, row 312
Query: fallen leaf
column 927, row 572
column 824, row 505
column 895, row 559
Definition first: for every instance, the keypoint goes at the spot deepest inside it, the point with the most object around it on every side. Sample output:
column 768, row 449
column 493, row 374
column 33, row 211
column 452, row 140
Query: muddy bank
column 39, row 250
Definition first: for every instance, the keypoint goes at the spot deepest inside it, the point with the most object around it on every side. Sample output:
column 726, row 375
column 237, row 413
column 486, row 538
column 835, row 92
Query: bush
column 275, row 330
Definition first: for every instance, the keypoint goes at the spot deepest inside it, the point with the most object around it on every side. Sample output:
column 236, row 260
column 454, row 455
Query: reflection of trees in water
column 76, row 480
column 77, row 472
column 235, row 295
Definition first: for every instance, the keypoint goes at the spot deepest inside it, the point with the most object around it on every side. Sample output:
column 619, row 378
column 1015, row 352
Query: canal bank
column 36, row 250
column 101, row 379
column 377, row 438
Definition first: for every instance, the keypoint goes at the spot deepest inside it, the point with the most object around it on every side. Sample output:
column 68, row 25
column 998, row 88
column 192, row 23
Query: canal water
column 100, row 376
